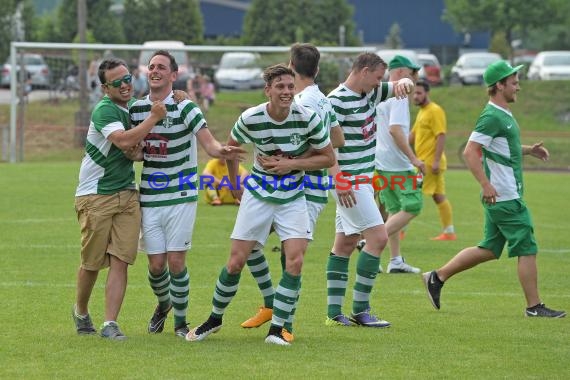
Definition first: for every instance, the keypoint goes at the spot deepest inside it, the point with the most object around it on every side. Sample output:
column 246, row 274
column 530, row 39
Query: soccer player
column 169, row 189
column 354, row 103
column 395, row 160
column 507, row 219
column 288, row 139
column 428, row 140
column 304, row 60
column 106, row 199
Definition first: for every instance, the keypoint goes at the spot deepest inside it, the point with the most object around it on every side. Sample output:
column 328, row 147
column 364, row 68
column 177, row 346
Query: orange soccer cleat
column 445, row 236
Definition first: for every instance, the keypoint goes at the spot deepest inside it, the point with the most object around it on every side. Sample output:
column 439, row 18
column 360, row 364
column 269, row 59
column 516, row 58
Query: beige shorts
column 110, row 225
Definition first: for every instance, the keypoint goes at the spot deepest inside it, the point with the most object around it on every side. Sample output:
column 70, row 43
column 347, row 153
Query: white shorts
column 255, row 217
column 314, row 210
column 358, row 218
column 167, row 228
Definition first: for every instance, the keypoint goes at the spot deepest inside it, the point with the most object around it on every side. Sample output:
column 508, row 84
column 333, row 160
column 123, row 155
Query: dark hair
column 173, row 64
column 275, row 71
column 305, row 59
column 370, row 60
column 109, row 64
column 423, row 84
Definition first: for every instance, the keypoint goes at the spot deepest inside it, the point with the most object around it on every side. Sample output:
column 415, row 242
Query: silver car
column 550, row 65
column 37, row 71
column 239, row 71
column 469, row 68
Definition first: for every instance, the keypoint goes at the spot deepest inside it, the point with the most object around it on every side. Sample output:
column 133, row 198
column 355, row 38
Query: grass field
column 479, row 333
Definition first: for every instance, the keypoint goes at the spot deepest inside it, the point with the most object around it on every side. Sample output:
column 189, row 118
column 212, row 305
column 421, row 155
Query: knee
column 294, row 264
column 235, row 264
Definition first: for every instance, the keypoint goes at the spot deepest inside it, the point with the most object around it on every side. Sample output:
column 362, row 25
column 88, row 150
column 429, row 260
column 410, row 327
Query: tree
column 509, row 16
column 147, row 20
column 17, row 16
column 394, row 37
column 277, row 22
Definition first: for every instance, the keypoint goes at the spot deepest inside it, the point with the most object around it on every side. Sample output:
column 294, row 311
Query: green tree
column 147, row 20
column 394, row 37
column 509, row 16
column 277, row 22
column 8, row 21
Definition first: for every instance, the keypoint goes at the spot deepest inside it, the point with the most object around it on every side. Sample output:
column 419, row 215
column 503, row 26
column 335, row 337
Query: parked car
column 239, row 70
column 388, row 54
column 37, row 71
column 469, row 68
column 550, row 65
column 431, row 69
column 185, row 69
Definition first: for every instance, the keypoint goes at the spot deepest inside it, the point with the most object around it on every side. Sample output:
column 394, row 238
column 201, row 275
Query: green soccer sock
column 257, row 264
column 285, row 297
column 366, row 271
column 160, row 286
column 226, row 289
column 179, row 292
column 337, row 280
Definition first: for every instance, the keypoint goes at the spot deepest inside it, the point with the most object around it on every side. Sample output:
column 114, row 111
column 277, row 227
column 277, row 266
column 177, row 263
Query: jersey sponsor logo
column 156, row 146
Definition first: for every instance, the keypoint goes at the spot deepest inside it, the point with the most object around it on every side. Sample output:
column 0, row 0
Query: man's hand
column 179, row 96
column 158, row 111
column 403, row 87
column 539, row 151
column 134, row 153
column 420, row 165
column 346, row 198
column 435, row 167
column 489, row 193
column 277, row 165
column 232, row 152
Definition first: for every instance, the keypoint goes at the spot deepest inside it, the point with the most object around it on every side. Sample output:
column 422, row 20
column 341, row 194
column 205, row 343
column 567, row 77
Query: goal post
column 62, row 86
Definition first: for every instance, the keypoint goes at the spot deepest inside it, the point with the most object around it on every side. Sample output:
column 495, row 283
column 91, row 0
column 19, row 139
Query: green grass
column 479, row 333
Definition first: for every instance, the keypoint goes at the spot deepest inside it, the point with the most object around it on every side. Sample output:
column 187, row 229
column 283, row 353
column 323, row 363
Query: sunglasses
column 117, row 82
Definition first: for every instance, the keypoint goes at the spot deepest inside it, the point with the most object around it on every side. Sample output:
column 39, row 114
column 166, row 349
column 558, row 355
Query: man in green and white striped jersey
column 169, row 189
column 354, row 102
column 288, row 139
column 106, row 200
column 304, row 60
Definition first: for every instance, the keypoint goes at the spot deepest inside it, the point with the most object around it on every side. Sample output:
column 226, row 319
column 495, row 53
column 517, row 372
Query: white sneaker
column 402, row 268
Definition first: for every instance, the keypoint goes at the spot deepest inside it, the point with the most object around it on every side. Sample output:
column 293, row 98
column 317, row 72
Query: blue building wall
column 420, row 23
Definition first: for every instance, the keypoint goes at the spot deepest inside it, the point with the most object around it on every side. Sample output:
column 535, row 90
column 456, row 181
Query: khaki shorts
column 110, row 225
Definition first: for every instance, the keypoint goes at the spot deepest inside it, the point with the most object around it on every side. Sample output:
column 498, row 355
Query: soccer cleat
column 181, row 331
column 339, row 320
column 402, row 234
column 83, row 324
column 264, row 314
column 380, row 269
column 156, row 324
column 445, row 237
column 275, row 336
column 402, row 268
column 541, row 310
column 211, row 326
column 360, row 244
column 433, row 286
column 367, row 319
column 288, row 336
column 112, row 331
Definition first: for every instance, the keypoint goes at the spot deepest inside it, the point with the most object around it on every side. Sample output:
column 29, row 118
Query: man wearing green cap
column 395, row 161
column 507, row 219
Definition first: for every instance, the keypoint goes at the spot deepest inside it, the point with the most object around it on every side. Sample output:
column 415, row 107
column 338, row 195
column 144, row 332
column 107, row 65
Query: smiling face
column 160, row 74
column 281, row 92
column 122, row 94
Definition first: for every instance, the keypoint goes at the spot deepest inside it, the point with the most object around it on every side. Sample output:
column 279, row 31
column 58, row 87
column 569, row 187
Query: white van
column 185, row 70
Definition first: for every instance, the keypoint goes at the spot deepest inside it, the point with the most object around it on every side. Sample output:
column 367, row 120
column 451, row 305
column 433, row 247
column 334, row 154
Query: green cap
column 499, row 70
column 401, row 61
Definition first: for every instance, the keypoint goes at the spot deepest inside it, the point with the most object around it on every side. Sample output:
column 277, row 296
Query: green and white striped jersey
column 317, row 181
column 105, row 169
column 499, row 134
column 291, row 137
column 169, row 174
column 356, row 114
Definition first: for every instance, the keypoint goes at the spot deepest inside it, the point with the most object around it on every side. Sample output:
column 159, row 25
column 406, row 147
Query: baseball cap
column 401, row 61
column 499, row 70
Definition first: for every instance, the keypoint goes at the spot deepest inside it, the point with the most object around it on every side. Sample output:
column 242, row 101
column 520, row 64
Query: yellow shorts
column 110, row 225
column 434, row 183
